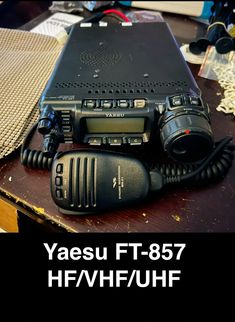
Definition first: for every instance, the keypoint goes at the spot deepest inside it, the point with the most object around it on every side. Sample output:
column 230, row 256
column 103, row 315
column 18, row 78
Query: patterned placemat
column 26, row 62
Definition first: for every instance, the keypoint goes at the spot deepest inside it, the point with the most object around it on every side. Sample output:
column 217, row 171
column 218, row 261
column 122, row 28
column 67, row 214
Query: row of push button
column 115, row 141
column 181, row 100
column 107, row 104
column 59, row 181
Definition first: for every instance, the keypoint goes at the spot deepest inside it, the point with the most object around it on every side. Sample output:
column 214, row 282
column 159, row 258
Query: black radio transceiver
column 122, row 84
column 126, row 83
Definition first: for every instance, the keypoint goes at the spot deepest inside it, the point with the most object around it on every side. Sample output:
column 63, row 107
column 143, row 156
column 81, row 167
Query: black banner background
column 205, row 291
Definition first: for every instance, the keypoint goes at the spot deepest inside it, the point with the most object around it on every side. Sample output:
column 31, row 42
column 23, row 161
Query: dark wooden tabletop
column 178, row 209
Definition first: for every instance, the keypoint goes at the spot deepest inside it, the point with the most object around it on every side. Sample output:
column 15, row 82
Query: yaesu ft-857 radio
column 122, row 84
column 125, row 84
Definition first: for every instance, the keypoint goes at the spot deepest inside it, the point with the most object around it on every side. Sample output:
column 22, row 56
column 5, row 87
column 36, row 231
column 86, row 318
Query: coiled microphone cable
column 34, row 158
column 211, row 169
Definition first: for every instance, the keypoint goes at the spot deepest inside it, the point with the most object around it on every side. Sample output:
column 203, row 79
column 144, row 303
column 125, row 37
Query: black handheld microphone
column 87, row 181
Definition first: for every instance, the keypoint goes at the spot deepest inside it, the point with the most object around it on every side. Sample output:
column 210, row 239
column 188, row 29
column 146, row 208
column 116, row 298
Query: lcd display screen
column 115, row 125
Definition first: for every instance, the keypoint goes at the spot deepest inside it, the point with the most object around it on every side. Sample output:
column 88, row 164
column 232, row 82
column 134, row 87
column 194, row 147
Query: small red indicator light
column 187, row 131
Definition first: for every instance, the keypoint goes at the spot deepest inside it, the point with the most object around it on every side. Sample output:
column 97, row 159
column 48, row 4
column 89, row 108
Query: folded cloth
column 26, row 62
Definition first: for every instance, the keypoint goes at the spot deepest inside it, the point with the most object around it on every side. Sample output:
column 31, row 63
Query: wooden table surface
column 178, row 209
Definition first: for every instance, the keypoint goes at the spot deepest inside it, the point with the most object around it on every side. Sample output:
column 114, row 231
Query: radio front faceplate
column 111, row 122
column 115, row 122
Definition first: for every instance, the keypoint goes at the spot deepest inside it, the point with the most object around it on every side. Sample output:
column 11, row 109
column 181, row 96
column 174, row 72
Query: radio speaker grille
column 123, row 87
column 101, row 57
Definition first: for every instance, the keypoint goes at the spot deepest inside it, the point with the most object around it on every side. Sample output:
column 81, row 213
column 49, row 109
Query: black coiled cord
column 34, row 158
column 212, row 169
